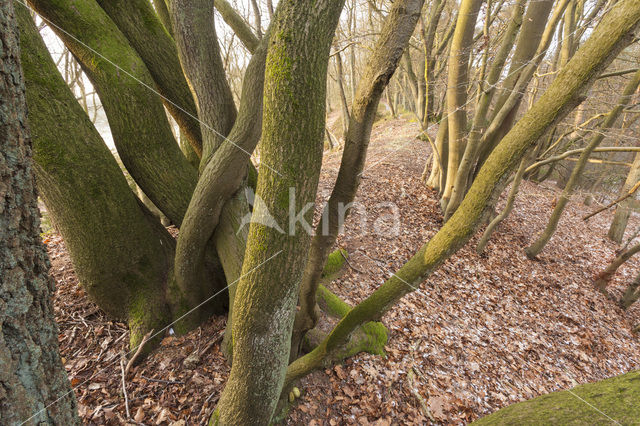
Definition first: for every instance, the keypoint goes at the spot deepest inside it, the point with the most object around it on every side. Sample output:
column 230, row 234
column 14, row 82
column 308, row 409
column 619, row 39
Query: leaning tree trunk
column 33, row 382
column 396, row 31
column 605, row 276
column 534, row 249
column 96, row 210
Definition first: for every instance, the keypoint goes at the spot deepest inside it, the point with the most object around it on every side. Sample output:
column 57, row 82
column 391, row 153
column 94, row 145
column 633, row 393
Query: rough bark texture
column 607, row 40
column 136, row 20
column 34, row 387
column 293, row 130
column 194, row 28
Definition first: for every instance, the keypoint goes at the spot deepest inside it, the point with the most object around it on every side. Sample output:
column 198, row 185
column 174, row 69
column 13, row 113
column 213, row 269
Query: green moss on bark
column 600, row 403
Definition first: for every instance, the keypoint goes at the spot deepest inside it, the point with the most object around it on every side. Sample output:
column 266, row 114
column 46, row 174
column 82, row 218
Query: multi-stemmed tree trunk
column 267, row 266
column 34, row 388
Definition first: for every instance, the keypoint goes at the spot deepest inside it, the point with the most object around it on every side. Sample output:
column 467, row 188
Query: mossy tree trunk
column 93, row 211
column 292, row 140
column 34, row 388
column 136, row 115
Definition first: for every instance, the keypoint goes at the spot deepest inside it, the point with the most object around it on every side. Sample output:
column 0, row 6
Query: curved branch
column 607, row 40
column 238, row 25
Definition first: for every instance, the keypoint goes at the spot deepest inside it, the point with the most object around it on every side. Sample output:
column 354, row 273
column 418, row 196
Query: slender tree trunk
column 396, row 31
column 534, row 249
column 605, row 276
column 515, row 185
column 457, row 91
column 33, row 382
column 343, row 97
column 631, row 294
column 429, row 36
column 621, row 216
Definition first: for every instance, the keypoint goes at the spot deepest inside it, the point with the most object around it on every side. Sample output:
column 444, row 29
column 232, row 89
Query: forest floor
column 482, row 332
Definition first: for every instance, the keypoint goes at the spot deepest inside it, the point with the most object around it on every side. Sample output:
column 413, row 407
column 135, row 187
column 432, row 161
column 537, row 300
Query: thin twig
column 138, row 351
column 124, row 388
column 416, row 394
column 168, row 382
column 212, row 343
column 613, row 203
column 349, row 263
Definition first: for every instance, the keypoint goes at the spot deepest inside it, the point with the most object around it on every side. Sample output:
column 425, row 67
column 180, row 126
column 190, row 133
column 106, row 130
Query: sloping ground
column 613, row 400
column 482, row 332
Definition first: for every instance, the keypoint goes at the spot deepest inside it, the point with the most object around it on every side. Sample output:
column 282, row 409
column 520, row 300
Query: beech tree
column 142, row 60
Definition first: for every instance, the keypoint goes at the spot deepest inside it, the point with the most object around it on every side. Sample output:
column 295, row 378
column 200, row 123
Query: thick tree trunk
column 194, row 28
column 468, row 160
column 34, row 387
column 136, row 116
column 95, row 211
column 293, row 130
column 136, row 20
column 224, row 170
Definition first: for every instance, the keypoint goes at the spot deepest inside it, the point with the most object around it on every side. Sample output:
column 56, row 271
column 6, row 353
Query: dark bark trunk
column 34, row 387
